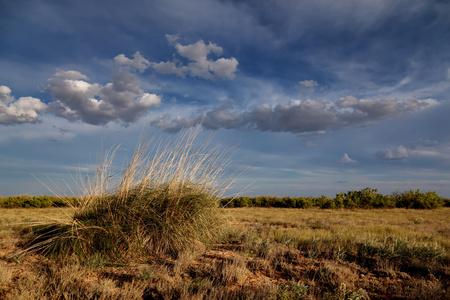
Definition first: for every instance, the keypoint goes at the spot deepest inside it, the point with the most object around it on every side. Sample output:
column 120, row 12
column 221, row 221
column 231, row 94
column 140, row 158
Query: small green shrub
column 293, row 290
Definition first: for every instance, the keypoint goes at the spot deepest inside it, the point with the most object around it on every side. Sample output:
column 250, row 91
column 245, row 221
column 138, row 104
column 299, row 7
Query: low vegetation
column 165, row 201
column 365, row 198
column 159, row 229
column 264, row 253
column 26, row 201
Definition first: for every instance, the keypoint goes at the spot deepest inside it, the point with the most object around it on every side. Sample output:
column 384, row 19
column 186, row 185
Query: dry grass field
column 156, row 230
column 263, row 253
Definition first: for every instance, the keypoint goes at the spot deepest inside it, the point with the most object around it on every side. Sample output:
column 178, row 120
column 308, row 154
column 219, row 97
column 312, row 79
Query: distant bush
column 418, row 200
column 446, row 202
column 366, row 198
column 26, row 201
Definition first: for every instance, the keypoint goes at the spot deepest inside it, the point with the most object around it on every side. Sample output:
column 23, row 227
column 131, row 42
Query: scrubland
column 264, row 253
column 159, row 229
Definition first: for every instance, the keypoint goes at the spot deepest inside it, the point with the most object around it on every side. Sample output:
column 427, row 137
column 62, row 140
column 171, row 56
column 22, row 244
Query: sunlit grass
column 266, row 254
column 390, row 233
column 24, row 216
column 164, row 201
column 424, row 222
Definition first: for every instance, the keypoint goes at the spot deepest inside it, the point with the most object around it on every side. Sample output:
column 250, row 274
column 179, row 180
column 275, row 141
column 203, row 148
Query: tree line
column 366, row 198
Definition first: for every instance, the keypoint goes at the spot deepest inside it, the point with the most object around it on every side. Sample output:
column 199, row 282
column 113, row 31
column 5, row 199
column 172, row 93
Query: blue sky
column 321, row 96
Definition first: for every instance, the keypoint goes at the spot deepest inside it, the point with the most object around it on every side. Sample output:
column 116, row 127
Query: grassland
column 156, row 230
column 264, row 253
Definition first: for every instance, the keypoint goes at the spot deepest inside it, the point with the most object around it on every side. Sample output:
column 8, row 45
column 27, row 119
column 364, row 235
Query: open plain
column 264, row 253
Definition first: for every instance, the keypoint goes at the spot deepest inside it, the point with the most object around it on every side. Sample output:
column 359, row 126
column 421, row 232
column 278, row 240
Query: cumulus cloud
column 299, row 116
column 138, row 62
column 199, row 65
column 77, row 99
column 347, row 160
column 23, row 110
column 170, row 68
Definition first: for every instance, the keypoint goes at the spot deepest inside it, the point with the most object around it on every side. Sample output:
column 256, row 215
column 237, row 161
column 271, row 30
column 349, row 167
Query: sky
column 321, row 97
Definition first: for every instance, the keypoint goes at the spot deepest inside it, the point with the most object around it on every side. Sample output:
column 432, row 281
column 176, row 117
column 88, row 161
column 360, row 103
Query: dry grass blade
column 165, row 201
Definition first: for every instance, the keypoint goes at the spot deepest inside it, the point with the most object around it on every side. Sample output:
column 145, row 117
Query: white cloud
column 148, row 100
column 201, row 66
column 347, row 160
column 198, row 51
column 401, row 152
column 77, row 99
column 421, row 149
column 138, row 62
column 307, row 86
column 73, row 75
column 172, row 38
column 198, row 63
column 308, row 83
column 23, row 110
column 224, row 67
column 170, row 68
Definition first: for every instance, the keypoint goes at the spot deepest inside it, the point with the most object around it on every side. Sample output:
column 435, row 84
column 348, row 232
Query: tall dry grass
column 166, row 200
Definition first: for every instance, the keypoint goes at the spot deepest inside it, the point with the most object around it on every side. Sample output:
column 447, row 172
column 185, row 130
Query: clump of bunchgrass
column 164, row 202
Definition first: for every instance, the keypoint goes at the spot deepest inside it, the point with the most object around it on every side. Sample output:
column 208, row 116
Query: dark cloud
column 298, row 116
column 173, row 125
column 366, row 110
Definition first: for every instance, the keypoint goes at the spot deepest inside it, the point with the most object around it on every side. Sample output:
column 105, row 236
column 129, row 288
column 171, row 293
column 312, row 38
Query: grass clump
column 165, row 201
